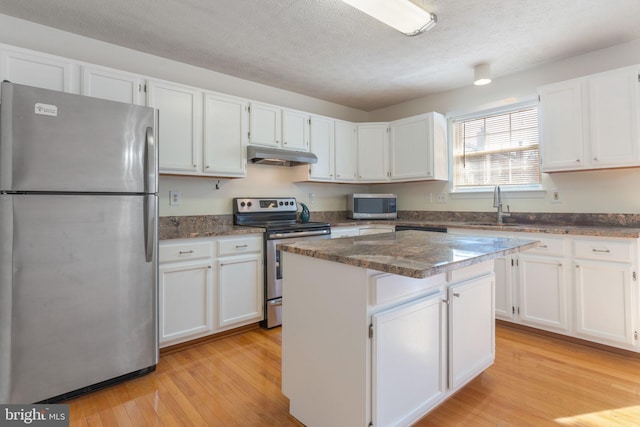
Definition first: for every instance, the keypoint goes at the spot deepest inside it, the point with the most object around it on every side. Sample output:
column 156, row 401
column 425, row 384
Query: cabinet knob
column 207, row 166
column 595, row 159
column 578, row 160
column 457, row 295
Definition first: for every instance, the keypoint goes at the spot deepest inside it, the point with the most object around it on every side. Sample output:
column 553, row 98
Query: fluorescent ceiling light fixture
column 402, row 15
column 482, row 73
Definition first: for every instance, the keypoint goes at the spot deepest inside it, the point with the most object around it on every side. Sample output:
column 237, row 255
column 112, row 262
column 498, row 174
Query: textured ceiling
column 328, row 50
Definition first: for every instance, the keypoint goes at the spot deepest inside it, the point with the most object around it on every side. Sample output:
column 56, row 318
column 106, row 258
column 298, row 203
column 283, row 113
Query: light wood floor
column 235, row 381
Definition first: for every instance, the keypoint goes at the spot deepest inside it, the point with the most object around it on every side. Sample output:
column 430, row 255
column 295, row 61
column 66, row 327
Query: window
column 496, row 149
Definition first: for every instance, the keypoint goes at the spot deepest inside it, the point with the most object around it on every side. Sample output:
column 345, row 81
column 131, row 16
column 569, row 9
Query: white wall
column 606, row 191
column 200, row 196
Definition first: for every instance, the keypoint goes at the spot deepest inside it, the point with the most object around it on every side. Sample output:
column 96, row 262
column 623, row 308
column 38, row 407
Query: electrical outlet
column 175, row 198
column 312, row 198
column 555, row 196
column 442, row 198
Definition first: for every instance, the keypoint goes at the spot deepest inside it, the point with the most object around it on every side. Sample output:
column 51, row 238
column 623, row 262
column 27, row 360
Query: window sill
column 532, row 192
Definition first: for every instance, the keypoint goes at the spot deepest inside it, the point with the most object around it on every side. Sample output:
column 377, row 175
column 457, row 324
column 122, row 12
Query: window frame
column 517, row 190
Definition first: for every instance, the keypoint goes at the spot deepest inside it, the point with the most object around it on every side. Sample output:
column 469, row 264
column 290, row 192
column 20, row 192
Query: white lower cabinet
column 185, row 291
column 606, row 290
column 240, row 293
column 361, row 230
column 208, row 285
column 471, row 329
column 542, row 299
column 584, row 287
column 408, row 383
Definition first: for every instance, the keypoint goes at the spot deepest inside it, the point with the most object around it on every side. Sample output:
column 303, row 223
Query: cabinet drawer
column 184, row 251
column 607, row 250
column 238, row 245
column 548, row 246
column 475, row 270
column 389, row 288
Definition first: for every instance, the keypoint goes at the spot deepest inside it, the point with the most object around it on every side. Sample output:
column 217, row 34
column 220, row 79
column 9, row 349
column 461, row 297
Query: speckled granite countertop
column 613, row 225
column 415, row 254
column 576, row 230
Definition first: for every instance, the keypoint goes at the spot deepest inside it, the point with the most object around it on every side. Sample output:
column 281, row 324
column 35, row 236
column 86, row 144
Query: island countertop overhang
column 416, row 254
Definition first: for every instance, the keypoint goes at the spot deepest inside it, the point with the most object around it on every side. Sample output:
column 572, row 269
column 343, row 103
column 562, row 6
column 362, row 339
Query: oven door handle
column 297, row 234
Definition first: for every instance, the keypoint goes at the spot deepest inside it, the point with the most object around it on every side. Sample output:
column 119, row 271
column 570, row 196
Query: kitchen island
column 380, row 329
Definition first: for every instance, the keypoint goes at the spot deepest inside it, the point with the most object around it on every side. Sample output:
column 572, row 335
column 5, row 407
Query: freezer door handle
column 152, row 162
column 150, row 208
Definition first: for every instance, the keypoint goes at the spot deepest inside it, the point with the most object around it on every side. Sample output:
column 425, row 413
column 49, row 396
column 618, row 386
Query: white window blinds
column 500, row 149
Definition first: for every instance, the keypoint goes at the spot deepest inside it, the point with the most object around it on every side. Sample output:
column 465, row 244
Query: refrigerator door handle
column 150, row 207
column 152, row 162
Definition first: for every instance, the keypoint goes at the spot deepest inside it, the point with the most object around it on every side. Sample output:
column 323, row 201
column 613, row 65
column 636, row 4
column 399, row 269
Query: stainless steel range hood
column 279, row 157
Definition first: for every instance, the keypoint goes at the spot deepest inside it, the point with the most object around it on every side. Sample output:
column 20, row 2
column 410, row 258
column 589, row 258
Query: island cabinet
column 367, row 348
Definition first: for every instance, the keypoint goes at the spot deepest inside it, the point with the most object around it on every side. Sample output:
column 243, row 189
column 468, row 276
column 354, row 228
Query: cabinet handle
column 543, row 246
column 578, row 160
column 602, row 251
column 185, row 252
column 457, row 295
column 241, row 246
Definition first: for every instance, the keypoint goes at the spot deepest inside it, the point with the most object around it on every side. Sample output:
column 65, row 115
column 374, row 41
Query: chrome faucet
column 497, row 203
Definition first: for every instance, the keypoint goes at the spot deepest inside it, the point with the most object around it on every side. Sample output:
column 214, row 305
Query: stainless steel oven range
column 278, row 216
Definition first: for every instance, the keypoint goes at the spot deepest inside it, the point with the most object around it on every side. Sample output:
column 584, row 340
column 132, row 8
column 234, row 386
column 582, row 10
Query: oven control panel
column 264, row 204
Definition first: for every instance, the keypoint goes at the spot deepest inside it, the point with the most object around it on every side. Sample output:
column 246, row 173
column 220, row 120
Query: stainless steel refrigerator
column 78, row 243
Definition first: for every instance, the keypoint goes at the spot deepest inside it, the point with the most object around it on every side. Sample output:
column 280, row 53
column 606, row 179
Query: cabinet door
column 112, row 85
column 180, row 120
column 409, row 361
column 295, row 130
column 345, row 151
column 225, row 135
column 606, row 306
column 265, row 124
column 542, row 292
column 502, row 268
column 321, row 144
column 44, row 71
column 185, row 301
column 240, row 290
column 471, row 329
column 411, row 145
column 560, row 116
column 614, row 117
column 373, row 147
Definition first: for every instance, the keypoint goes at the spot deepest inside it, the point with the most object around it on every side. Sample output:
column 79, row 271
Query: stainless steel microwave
column 372, row 206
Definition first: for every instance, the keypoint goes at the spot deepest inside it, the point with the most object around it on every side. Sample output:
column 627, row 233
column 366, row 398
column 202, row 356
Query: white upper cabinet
column 373, row 148
column 321, row 139
column 39, row 70
column 591, row 122
column 419, row 148
column 345, row 151
column 113, row 85
column 265, row 124
column 226, row 126
column 180, row 124
column 614, row 117
column 295, row 130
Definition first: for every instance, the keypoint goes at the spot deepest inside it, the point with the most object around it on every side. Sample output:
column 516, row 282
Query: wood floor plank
column 536, row 381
